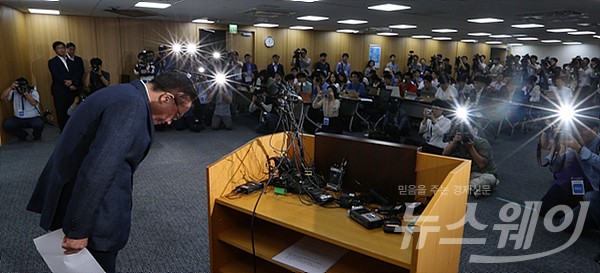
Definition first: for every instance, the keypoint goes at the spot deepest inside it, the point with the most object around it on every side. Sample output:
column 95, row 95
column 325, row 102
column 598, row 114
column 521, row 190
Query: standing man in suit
column 248, row 69
column 75, row 66
column 275, row 67
column 63, row 87
column 86, row 186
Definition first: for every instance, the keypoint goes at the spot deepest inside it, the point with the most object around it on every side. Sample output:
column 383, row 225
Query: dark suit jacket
column 59, row 75
column 77, row 70
column 88, row 179
column 271, row 70
column 253, row 68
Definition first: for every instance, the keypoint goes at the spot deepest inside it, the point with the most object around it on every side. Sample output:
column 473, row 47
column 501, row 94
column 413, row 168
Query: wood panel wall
column 14, row 57
column 117, row 42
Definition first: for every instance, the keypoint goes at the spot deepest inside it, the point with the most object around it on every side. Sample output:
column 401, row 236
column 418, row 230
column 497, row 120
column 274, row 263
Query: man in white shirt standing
column 433, row 127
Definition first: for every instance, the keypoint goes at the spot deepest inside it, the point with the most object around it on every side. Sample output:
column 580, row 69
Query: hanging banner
column 375, row 54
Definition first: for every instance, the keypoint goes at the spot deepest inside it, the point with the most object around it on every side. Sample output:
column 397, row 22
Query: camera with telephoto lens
column 297, row 53
column 95, row 68
column 464, row 133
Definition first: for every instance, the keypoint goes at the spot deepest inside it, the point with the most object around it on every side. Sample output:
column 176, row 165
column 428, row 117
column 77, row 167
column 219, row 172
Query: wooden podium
column 283, row 220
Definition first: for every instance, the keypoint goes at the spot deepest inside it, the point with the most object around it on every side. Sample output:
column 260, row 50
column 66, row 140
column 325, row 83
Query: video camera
column 297, row 53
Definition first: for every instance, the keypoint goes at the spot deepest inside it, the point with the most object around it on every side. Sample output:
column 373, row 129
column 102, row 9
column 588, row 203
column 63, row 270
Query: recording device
column 365, row 217
column 319, row 196
column 336, row 176
column 392, row 225
column 95, row 68
column 428, row 111
column 249, row 187
column 465, row 134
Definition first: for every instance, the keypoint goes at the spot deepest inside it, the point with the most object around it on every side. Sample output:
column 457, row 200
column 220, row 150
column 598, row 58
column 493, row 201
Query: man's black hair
column 345, row 55
column 323, row 54
column 294, row 68
column 275, row 55
column 247, row 55
column 22, row 79
column 289, row 77
column 301, row 75
column 407, row 74
column 393, row 55
column 387, row 76
column 462, row 78
column 56, row 44
column 442, row 80
column 71, row 44
column 176, row 83
column 479, row 79
column 304, row 49
column 428, row 78
column 96, row 61
column 441, row 104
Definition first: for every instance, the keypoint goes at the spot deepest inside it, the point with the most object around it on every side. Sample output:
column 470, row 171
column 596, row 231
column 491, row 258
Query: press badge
column 21, row 113
column 577, row 187
column 248, row 79
column 326, row 121
column 202, row 99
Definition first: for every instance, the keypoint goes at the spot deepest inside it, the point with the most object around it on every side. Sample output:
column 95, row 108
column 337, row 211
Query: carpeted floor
column 169, row 229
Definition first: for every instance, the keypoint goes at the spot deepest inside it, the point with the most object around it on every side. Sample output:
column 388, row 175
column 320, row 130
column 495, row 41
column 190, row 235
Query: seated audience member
column 330, row 103
column 483, row 169
column 222, row 96
column 407, row 85
column 496, row 86
column 396, row 123
column 25, row 99
column 563, row 93
column 342, row 80
column 575, row 157
column 304, row 87
column 433, row 127
column 479, row 95
column 370, row 68
column 446, row 92
column 428, row 88
column 355, row 87
column 319, row 84
column 463, row 89
column 435, row 79
column 96, row 78
column 416, row 78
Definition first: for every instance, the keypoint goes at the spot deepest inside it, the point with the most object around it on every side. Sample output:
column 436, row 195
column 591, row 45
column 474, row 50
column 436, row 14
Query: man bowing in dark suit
column 63, row 86
column 86, row 186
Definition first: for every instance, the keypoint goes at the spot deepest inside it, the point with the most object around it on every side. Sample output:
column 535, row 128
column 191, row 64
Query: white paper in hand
column 50, row 247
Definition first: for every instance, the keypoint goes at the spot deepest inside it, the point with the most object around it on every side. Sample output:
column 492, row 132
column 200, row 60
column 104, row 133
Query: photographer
column 433, row 127
column 574, row 156
column 145, row 67
column 25, row 99
column 269, row 118
column 222, row 95
column 478, row 65
column 462, row 67
column 496, row 68
column 330, row 102
column 467, row 145
column 96, row 78
column 301, row 61
column 165, row 62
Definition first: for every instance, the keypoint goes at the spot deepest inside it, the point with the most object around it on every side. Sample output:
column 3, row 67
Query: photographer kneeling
column 269, row 119
column 483, row 170
column 25, row 99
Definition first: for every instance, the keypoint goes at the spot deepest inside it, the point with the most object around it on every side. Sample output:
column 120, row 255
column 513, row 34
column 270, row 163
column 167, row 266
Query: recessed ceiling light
column 444, row 30
column 305, row 1
column 519, row 35
column 402, row 26
column 421, row 36
column 515, row 44
column 527, row 39
column 387, row 34
column 584, row 24
column 313, row 18
column 468, row 41
column 442, row 38
column 301, row 27
column 500, row 36
column 527, row 25
column 493, row 42
column 353, row 31
column 571, row 43
column 389, row 7
column 479, row 34
column 203, row 21
column 45, row 11
column 266, row 25
column 352, row 22
column 152, row 5
column 560, row 30
column 485, row 20
column 582, row 33
column 550, row 41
